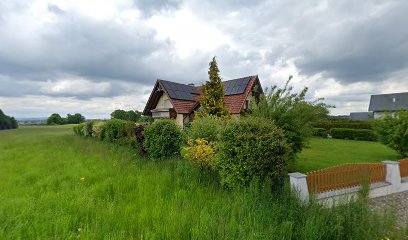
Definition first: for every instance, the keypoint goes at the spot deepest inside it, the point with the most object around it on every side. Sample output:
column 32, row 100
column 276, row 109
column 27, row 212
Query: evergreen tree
column 212, row 102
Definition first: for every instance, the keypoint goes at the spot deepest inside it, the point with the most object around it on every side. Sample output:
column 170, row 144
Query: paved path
column 397, row 201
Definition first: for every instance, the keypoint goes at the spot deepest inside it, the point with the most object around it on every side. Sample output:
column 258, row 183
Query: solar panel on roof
column 236, row 86
column 180, row 91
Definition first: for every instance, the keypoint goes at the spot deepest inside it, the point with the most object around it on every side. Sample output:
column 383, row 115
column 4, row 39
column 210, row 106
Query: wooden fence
column 345, row 176
column 403, row 165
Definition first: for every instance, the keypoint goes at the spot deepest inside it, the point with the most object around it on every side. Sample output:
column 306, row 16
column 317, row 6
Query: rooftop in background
column 388, row 102
column 362, row 116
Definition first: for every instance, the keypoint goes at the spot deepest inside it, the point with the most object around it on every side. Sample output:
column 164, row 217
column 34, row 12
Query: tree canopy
column 133, row 116
column 55, row 119
column 7, row 122
column 392, row 130
column 291, row 112
column 212, row 102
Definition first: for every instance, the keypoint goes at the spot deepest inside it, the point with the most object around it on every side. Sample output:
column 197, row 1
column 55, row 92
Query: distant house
column 181, row 101
column 361, row 116
column 379, row 104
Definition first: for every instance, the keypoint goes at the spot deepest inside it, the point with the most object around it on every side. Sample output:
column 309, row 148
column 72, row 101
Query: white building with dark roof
column 382, row 103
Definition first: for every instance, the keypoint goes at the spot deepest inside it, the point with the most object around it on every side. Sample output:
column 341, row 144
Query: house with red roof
column 181, row 101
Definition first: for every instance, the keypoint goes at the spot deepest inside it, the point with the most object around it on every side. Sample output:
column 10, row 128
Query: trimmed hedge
column 119, row 131
column 320, row 132
column 116, row 131
column 163, row 139
column 206, row 128
column 353, row 134
column 342, row 123
column 252, row 148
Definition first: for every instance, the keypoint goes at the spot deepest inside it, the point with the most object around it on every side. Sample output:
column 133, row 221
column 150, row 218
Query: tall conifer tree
column 212, row 102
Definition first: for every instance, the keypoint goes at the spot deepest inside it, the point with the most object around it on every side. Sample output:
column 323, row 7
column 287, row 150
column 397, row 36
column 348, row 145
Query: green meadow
column 55, row 185
column 322, row 153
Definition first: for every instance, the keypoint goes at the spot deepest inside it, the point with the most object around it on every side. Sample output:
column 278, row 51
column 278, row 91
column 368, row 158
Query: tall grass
column 57, row 185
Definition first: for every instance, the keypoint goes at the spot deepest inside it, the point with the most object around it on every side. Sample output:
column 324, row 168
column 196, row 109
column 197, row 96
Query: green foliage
column 323, row 153
column 87, row 130
column 7, row 122
column 320, row 132
column 79, row 129
column 133, row 116
column 291, row 112
column 75, row 188
column 75, row 118
column 342, row 123
column 205, row 128
column 252, row 148
column 393, row 131
column 146, row 119
column 200, row 153
column 212, row 102
column 98, row 130
column 353, row 134
column 163, row 139
column 55, row 119
column 119, row 131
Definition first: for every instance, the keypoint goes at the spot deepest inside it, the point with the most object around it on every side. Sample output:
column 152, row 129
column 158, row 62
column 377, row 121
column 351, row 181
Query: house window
column 394, row 99
column 247, row 105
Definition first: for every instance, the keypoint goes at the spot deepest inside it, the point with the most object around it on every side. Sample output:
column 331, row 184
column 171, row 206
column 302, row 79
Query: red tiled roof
column 234, row 103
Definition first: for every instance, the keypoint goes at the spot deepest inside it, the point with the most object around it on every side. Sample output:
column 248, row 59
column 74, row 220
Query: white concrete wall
column 393, row 184
column 162, row 100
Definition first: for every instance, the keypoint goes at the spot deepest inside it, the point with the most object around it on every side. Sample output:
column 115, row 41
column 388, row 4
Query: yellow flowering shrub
column 200, row 152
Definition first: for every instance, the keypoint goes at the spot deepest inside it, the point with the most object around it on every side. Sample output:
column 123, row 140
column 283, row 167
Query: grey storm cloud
column 349, row 41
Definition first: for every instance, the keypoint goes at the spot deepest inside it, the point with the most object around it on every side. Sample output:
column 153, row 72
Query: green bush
column 119, row 131
column 320, row 132
column 353, row 134
column 7, row 122
column 87, row 129
column 79, row 129
column 342, row 123
column 163, row 139
column 200, row 153
column 98, row 130
column 291, row 112
column 205, row 128
column 252, row 148
column 393, row 131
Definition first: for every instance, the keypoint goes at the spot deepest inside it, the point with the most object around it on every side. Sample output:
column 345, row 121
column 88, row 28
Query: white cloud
column 96, row 55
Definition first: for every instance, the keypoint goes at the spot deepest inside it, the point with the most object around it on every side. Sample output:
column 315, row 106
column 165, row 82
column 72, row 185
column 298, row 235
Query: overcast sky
column 95, row 56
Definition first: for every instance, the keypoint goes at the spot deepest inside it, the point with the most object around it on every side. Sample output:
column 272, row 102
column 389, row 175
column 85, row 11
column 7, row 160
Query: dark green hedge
column 353, row 134
column 320, row 132
column 342, row 123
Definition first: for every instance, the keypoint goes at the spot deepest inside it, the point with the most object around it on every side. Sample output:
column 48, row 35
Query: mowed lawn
column 323, row 153
column 55, row 185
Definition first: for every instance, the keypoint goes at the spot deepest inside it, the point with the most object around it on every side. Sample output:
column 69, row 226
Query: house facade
column 180, row 101
column 392, row 102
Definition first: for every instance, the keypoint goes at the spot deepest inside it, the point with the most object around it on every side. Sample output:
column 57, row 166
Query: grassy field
column 323, row 153
column 60, row 186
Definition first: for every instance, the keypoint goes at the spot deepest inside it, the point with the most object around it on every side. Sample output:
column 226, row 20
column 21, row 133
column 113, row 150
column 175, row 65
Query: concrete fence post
column 298, row 183
column 393, row 175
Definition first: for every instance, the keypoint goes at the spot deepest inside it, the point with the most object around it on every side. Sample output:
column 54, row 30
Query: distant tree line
column 133, row 116
column 56, row 119
column 7, row 122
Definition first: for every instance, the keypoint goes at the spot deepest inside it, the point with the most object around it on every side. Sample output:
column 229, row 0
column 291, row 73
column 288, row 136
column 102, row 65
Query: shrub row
column 353, row 134
column 238, row 150
column 115, row 131
column 320, row 132
column 342, row 123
